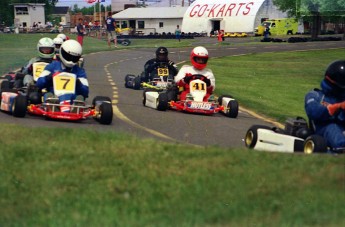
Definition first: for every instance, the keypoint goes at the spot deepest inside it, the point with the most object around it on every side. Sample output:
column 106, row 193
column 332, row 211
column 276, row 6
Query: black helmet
column 162, row 54
column 335, row 74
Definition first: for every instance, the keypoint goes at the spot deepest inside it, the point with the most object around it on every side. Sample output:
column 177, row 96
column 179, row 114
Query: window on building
column 22, row 11
column 124, row 24
column 141, row 24
column 161, row 24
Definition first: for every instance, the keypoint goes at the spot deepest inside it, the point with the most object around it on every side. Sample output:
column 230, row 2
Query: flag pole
column 100, row 13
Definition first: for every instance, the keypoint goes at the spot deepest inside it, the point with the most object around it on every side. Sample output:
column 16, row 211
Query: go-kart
column 51, row 108
column 194, row 102
column 296, row 136
column 161, row 77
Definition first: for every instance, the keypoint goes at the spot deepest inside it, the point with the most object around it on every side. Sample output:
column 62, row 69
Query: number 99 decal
column 163, row 71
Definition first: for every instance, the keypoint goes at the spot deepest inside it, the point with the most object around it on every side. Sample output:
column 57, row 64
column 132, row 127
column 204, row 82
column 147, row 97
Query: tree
column 314, row 10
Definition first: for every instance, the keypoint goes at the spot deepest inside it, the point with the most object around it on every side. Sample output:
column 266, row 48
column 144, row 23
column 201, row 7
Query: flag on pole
column 101, row 0
column 91, row 1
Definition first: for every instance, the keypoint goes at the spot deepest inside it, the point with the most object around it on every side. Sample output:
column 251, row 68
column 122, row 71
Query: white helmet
column 62, row 36
column 46, row 48
column 70, row 53
column 57, row 42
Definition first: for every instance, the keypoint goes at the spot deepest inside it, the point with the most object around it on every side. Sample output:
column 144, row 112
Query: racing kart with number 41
column 194, row 102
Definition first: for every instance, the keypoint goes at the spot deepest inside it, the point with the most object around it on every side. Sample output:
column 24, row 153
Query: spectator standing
column 220, row 36
column 80, row 31
column 267, row 31
column 178, row 33
column 111, row 26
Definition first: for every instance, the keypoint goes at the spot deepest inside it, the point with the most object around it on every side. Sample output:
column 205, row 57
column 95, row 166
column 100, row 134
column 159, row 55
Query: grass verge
column 90, row 178
column 70, row 177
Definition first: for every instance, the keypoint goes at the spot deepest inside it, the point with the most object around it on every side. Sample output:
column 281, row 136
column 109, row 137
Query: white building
column 25, row 14
column 202, row 16
column 117, row 5
column 151, row 20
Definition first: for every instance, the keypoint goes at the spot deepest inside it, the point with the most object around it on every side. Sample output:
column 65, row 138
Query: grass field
column 73, row 177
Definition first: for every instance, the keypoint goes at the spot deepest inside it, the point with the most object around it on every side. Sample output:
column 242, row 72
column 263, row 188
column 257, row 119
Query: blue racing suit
column 332, row 128
column 45, row 80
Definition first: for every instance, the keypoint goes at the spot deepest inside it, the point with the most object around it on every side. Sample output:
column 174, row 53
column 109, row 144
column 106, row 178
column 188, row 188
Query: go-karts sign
column 233, row 15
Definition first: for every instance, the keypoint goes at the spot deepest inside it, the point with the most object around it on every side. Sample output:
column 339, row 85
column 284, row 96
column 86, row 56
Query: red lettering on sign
column 221, row 10
column 230, row 8
column 212, row 10
column 193, row 11
column 241, row 4
column 201, row 13
column 218, row 10
column 248, row 8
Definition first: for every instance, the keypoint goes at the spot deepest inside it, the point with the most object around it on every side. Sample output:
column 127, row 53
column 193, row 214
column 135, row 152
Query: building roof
column 60, row 10
column 151, row 12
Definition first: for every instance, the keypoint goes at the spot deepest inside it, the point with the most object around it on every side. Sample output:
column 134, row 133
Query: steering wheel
column 188, row 79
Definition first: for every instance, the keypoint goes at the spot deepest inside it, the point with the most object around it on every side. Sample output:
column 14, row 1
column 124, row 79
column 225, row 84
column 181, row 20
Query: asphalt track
column 106, row 72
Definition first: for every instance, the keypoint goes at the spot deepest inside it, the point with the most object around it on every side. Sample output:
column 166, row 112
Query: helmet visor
column 162, row 57
column 47, row 50
column 200, row 60
column 69, row 57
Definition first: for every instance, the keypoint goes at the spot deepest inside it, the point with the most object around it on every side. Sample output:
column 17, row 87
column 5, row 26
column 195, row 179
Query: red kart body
column 190, row 106
column 48, row 110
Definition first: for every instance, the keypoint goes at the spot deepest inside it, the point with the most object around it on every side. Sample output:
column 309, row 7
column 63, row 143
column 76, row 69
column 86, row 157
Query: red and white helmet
column 199, row 57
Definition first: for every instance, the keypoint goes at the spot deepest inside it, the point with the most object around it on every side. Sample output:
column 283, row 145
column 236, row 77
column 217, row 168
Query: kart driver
column 152, row 64
column 198, row 58
column 326, row 107
column 46, row 51
column 57, row 42
column 70, row 52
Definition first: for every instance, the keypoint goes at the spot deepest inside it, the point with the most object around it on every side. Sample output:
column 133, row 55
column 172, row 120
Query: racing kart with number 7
column 52, row 108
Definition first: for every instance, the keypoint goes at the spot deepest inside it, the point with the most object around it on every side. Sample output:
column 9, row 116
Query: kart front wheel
column 232, row 107
column 100, row 99
column 105, row 113
column 252, row 135
column 315, row 144
column 19, row 106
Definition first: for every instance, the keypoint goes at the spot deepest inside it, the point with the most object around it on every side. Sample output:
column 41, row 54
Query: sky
column 80, row 3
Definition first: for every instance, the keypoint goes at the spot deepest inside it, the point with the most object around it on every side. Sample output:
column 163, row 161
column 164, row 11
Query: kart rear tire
column 125, row 42
column 129, row 78
column 19, row 106
column 162, row 102
column 315, row 144
column 106, row 113
column 100, row 99
column 233, row 109
column 252, row 135
column 137, row 83
column 172, row 93
column 35, row 97
column 5, row 84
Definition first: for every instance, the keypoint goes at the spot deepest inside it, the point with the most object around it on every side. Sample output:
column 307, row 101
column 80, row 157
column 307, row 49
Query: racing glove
column 334, row 108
